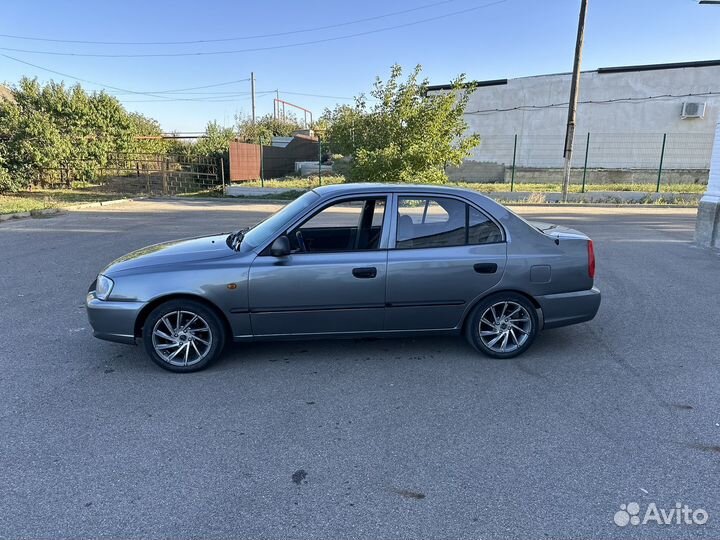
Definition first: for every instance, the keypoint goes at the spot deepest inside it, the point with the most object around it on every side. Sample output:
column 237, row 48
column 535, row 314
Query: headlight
column 103, row 287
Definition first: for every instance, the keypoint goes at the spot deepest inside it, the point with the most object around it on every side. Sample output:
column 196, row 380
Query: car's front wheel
column 183, row 335
column 503, row 325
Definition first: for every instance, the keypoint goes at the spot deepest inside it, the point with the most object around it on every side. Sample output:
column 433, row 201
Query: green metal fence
column 657, row 161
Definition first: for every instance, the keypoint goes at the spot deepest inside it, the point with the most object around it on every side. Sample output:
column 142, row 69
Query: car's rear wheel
column 503, row 325
column 183, row 335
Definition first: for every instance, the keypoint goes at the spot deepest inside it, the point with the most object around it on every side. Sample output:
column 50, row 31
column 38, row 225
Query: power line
column 162, row 96
column 237, row 38
column 157, row 95
column 258, row 49
column 210, row 94
column 202, row 100
column 226, row 83
column 593, row 102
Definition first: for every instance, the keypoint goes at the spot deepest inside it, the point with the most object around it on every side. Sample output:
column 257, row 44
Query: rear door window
column 425, row 222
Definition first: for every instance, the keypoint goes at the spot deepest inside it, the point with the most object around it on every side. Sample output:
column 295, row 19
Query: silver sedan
column 348, row 261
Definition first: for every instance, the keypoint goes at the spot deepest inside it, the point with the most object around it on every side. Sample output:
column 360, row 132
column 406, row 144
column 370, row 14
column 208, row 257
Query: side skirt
column 350, row 335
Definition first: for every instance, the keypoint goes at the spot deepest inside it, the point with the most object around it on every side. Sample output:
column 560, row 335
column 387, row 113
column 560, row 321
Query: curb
column 515, row 198
column 251, row 199
column 230, row 199
column 259, row 200
column 599, row 205
column 33, row 213
column 97, row 204
column 60, row 209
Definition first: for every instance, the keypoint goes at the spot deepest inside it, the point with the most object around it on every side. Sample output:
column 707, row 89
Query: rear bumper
column 569, row 308
column 113, row 321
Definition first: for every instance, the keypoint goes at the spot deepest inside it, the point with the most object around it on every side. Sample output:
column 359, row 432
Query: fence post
column 262, row 164
column 222, row 173
column 319, row 160
column 512, row 175
column 165, row 176
column 662, row 156
column 587, row 150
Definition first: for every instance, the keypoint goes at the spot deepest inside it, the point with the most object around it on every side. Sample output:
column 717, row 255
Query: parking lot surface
column 401, row 438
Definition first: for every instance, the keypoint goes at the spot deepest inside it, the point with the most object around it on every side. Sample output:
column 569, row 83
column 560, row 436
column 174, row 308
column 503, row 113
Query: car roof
column 369, row 187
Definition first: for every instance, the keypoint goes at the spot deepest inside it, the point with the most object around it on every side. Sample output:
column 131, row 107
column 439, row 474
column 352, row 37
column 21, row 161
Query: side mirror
column 280, row 247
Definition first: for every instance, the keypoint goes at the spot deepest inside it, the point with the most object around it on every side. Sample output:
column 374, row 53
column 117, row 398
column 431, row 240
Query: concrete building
column 627, row 111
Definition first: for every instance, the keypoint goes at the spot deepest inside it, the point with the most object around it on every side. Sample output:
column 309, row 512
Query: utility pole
column 572, row 106
column 252, row 91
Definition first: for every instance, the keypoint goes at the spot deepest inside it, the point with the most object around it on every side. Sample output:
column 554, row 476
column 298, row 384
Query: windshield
column 262, row 231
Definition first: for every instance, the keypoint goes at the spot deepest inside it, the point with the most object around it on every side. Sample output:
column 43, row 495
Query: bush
column 265, row 128
column 407, row 135
column 53, row 127
column 6, row 181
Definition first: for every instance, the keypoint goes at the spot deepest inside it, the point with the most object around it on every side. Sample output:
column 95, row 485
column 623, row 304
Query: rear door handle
column 485, row 268
column 369, row 272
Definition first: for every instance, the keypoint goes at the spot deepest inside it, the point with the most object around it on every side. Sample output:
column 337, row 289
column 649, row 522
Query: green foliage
column 406, row 135
column 207, row 150
column 265, row 128
column 54, row 129
column 7, row 183
column 216, row 141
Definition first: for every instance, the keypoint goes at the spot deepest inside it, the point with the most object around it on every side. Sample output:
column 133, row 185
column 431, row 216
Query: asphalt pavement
column 398, row 438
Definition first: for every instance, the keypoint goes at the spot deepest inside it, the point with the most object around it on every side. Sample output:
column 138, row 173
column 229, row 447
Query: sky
column 329, row 50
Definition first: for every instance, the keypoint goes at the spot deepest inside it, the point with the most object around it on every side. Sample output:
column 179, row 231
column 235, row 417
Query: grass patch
column 293, row 182
column 574, row 188
column 41, row 199
column 10, row 204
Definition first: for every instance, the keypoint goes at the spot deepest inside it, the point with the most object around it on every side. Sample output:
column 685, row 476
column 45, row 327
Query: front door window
column 354, row 225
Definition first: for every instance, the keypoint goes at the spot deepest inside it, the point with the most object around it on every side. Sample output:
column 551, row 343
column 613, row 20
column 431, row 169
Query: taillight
column 591, row 259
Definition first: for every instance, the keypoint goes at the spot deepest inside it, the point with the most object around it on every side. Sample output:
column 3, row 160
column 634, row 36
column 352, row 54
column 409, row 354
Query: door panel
column 429, row 288
column 317, row 293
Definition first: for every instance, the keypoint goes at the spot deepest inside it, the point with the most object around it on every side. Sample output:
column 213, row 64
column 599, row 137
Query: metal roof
column 602, row 70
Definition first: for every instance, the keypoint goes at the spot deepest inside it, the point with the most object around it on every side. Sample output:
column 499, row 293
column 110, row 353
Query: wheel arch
column 146, row 310
column 471, row 308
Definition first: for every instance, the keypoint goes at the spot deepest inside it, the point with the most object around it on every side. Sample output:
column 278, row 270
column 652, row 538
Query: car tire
column 183, row 335
column 503, row 325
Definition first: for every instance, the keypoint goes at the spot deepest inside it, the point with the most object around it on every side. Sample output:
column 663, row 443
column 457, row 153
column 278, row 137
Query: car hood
column 202, row 248
column 556, row 231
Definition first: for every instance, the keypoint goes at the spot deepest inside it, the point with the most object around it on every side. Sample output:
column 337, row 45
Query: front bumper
column 569, row 308
column 112, row 321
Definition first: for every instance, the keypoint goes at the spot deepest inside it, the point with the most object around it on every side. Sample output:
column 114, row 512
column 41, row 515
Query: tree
column 407, row 134
column 216, row 141
column 265, row 128
column 52, row 130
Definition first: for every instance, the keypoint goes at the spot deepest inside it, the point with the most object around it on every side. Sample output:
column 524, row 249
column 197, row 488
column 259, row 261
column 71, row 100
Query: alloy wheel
column 182, row 338
column 505, row 326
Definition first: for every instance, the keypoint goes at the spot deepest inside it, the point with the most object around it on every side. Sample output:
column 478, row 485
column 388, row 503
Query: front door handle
column 485, row 268
column 365, row 273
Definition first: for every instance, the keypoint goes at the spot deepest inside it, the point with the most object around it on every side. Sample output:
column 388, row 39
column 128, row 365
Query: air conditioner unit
column 693, row 109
